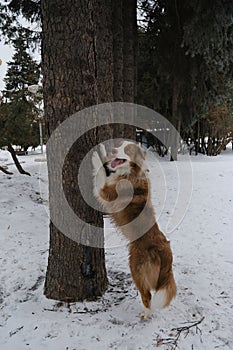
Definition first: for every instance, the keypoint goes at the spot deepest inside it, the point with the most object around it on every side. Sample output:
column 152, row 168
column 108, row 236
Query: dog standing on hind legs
column 123, row 189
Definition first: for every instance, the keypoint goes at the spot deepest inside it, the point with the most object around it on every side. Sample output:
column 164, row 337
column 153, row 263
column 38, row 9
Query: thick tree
column 124, row 26
column 78, row 57
column 79, row 66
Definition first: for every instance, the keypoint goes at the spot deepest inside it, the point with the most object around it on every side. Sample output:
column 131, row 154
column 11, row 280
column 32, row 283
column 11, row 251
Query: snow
column 201, row 241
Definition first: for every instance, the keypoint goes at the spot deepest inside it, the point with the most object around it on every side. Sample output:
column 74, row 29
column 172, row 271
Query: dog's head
column 127, row 158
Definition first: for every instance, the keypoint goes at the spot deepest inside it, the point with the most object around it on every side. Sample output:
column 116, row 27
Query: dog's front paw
column 96, row 162
column 103, row 153
column 99, row 175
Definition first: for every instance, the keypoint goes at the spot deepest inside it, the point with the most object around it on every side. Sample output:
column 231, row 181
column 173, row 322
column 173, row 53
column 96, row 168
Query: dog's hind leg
column 164, row 294
column 146, row 299
column 145, row 293
column 145, row 271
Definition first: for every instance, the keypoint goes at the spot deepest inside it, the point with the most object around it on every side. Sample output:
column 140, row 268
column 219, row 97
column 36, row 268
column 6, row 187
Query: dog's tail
column 164, row 295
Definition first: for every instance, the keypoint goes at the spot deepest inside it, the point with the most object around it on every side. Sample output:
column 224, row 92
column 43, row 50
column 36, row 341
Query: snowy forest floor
column 201, row 241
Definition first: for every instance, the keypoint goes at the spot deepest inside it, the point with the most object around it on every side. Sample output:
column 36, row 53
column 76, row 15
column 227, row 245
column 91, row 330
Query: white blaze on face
column 121, row 160
column 121, row 151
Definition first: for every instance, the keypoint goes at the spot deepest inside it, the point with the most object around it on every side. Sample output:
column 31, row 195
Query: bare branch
column 172, row 342
column 5, row 171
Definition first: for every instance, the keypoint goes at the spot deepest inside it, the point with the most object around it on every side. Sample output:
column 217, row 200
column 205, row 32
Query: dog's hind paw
column 145, row 314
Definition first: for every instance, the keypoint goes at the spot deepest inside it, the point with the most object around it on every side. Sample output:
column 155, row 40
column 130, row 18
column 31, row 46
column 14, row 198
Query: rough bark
column 129, row 62
column 129, row 50
column 76, row 41
column 124, row 55
column 118, row 40
column 80, row 39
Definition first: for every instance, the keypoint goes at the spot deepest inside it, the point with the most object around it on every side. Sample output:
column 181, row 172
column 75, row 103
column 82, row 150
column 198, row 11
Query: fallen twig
column 15, row 331
column 5, row 171
column 173, row 341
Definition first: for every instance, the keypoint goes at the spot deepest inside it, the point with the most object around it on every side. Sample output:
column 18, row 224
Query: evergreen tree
column 185, row 60
column 10, row 26
column 18, row 112
column 18, row 109
column 22, row 71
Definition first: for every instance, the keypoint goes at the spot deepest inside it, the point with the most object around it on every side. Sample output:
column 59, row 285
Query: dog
column 122, row 187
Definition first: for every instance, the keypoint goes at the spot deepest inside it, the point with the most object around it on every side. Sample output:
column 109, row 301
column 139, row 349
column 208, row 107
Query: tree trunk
column 77, row 68
column 197, row 148
column 124, row 56
column 16, row 161
column 129, row 60
column 78, row 52
column 129, row 50
column 118, row 55
column 176, row 121
column 118, row 42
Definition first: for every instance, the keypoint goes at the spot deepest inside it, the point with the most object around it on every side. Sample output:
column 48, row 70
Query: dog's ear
column 131, row 150
column 144, row 153
column 139, row 156
column 134, row 151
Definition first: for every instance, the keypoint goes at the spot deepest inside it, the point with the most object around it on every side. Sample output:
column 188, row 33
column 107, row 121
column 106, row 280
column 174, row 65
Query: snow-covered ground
column 202, row 244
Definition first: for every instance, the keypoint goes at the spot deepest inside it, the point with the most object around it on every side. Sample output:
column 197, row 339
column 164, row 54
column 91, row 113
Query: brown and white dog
column 122, row 187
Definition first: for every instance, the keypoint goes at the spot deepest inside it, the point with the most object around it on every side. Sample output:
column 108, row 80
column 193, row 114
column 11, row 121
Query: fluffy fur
column 122, row 187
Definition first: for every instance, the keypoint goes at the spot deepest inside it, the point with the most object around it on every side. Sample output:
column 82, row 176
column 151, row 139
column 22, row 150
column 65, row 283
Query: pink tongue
column 116, row 162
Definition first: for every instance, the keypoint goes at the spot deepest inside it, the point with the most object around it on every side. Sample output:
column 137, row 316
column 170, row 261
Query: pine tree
column 18, row 113
column 185, row 58
column 10, row 25
column 19, row 109
column 22, row 71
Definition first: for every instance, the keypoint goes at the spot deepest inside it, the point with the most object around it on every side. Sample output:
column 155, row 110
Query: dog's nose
column 114, row 151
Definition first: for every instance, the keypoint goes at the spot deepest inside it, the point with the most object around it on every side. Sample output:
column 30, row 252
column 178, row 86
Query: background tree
column 185, row 61
column 10, row 24
column 22, row 72
column 19, row 125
